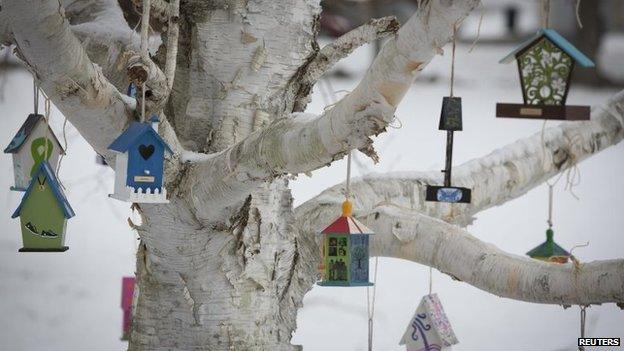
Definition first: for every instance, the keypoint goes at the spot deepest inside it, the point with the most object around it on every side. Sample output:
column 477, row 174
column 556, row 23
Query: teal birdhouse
column 545, row 65
column 43, row 212
column 344, row 250
column 34, row 142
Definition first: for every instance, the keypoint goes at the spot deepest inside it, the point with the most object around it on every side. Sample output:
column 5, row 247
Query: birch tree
column 225, row 264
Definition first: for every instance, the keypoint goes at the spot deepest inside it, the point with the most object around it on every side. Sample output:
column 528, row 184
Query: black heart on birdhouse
column 146, row 151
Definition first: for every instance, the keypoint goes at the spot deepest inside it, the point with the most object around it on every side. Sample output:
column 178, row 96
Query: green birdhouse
column 345, row 251
column 549, row 250
column 43, row 211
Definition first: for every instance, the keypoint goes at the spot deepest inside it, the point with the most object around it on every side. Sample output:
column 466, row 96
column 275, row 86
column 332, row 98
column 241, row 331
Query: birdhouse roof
column 556, row 39
column 24, row 132
column 131, row 136
column 127, row 291
column 548, row 248
column 430, row 311
column 347, row 225
column 45, row 170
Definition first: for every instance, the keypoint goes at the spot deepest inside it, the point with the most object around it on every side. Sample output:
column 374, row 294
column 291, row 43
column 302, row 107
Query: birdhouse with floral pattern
column 43, row 211
column 34, row 142
column 429, row 329
column 139, row 165
column 545, row 65
column 344, row 251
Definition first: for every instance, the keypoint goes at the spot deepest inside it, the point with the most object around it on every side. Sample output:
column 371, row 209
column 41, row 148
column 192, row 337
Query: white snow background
column 71, row 301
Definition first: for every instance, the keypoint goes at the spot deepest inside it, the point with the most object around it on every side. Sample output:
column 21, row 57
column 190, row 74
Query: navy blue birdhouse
column 139, row 164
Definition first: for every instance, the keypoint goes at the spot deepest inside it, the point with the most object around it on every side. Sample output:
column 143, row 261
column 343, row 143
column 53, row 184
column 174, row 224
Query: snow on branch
column 503, row 175
column 302, row 143
column 407, row 234
column 342, row 47
column 64, row 71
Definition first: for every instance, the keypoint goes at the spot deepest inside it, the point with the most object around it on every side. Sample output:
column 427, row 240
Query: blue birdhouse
column 139, row 164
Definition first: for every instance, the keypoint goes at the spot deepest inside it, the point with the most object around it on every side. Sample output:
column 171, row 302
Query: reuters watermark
column 599, row 342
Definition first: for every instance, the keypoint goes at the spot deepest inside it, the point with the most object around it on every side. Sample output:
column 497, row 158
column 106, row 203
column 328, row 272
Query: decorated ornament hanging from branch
column 549, row 250
column 345, row 251
column 44, row 211
column 127, row 302
column 450, row 121
column 545, row 65
column 429, row 329
column 139, row 164
column 34, row 142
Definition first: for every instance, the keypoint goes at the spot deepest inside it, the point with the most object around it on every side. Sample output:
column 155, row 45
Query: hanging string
column 550, row 205
column 430, row 279
column 348, row 187
column 453, row 58
column 143, row 103
column 544, row 13
column 58, row 167
column 583, row 315
column 474, row 43
column 35, row 96
column 578, row 17
column 371, row 306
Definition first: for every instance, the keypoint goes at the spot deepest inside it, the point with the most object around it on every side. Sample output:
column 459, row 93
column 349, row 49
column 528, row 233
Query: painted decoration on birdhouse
column 34, row 142
column 450, row 121
column 139, row 164
column 43, row 211
column 545, row 65
column 429, row 329
column 549, row 250
column 127, row 302
column 344, row 250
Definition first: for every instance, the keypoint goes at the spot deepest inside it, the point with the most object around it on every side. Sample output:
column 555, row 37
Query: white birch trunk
column 225, row 265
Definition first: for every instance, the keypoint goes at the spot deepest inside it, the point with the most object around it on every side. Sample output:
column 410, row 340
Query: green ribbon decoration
column 38, row 151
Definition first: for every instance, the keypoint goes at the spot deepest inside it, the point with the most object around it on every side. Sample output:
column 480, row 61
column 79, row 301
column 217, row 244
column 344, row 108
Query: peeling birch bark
column 501, row 176
column 225, row 265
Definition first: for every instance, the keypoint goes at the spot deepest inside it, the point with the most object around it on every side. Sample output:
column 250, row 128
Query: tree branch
column 342, row 47
column 65, row 72
column 412, row 236
column 408, row 234
column 503, row 175
column 303, row 143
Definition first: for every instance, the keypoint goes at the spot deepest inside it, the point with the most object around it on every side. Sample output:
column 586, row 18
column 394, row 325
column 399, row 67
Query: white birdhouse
column 34, row 142
column 429, row 329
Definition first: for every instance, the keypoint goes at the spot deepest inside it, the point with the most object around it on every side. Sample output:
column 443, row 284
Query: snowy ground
column 71, row 301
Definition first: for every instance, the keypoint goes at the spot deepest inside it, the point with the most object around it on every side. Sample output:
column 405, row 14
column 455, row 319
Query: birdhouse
column 43, row 211
column 127, row 301
column 34, row 142
column 139, row 164
column 545, row 65
column 429, row 329
column 549, row 250
column 450, row 121
column 345, row 251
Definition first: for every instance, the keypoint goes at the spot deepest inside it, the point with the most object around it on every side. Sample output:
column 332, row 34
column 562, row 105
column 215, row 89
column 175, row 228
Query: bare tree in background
column 225, row 265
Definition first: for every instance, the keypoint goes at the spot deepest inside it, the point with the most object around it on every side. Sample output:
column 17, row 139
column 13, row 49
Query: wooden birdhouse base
column 554, row 112
column 344, row 284
column 59, row 249
column 450, row 194
column 129, row 194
